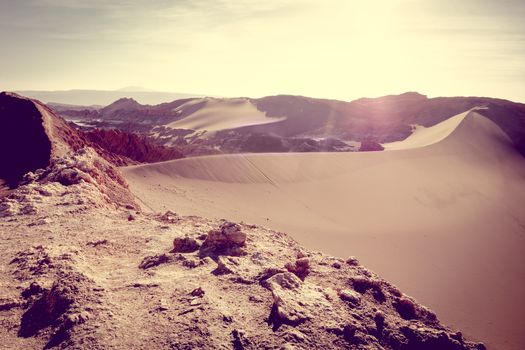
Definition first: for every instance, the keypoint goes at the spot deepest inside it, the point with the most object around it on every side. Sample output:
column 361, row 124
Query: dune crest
column 219, row 114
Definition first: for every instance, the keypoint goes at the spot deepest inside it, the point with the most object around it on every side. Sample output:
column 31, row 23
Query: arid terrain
column 249, row 175
column 284, row 123
column 257, row 251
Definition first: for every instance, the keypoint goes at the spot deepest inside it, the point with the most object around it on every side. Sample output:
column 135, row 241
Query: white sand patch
column 219, row 114
column 423, row 136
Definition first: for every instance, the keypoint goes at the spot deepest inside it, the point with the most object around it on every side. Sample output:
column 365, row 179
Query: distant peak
column 134, row 89
column 127, row 101
column 412, row 94
column 123, row 103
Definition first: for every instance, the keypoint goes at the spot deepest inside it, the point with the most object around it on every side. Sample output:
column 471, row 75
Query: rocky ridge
column 306, row 124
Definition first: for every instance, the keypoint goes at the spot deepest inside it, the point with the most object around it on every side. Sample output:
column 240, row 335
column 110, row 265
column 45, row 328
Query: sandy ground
column 424, row 136
column 444, row 222
column 223, row 114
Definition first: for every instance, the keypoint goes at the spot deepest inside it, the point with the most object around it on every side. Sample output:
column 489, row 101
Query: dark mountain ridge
column 379, row 120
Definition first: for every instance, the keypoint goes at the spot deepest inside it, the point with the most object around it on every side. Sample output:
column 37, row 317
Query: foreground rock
column 227, row 240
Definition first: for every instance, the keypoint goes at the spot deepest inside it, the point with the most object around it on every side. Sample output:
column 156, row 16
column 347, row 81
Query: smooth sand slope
column 424, row 136
column 444, row 222
column 221, row 114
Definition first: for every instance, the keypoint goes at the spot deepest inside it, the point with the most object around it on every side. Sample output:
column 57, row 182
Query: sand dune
column 447, row 226
column 423, row 136
column 220, row 114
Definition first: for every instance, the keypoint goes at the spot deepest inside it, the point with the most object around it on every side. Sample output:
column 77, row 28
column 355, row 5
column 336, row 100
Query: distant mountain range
column 286, row 123
column 103, row 97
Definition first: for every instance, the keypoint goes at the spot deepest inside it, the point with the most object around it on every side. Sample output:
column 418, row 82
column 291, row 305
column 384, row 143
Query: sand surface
column 444, row 222
column 424, row 136
column 221, row 114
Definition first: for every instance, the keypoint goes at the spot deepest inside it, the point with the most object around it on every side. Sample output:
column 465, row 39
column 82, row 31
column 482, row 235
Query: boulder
column 288, row 306
column 301, row 267
column 185, row 245
column 227, row 240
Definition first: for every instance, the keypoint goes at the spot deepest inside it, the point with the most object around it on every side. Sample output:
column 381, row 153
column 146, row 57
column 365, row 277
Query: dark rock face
column 370, row 146
column 132, row 146
column 23, row 138
column 310, row 124
column 34, row 139
column 45, row 311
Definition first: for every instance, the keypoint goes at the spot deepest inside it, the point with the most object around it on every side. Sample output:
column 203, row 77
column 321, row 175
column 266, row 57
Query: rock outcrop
column 135, row 148
column 306, row 124
column 38, row 146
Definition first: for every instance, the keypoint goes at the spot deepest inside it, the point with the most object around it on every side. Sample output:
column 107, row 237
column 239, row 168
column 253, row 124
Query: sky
column 342, row 49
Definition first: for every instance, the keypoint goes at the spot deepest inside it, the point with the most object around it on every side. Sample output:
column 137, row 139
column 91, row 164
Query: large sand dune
column 222, row 114
column 445, row 222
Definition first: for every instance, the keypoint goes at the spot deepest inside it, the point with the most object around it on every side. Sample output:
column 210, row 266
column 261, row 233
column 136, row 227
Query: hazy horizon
column 338, row 49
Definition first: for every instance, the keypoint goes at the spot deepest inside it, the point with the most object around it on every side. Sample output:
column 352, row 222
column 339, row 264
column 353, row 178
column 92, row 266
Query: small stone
column 295, row 335
column 352, row 261
column 168, row 217
column 233, row 233
column 8, row 304
column 379, row 319
column 240, row 342
column 224, row 266
column 76, row 318
column 349, row 332
column 44, row 192
column 34, row 288
column 458, row 336
column 131, row 217
column 40, row 222
column 97, row 243
column 185, row 245
column 255, row 299
column 191, row 262
column 301, row 254
column 406, row 308
column 152, row 261
column 289, row 304
column 197, row 292
column 28, row 210
column 350, row 296
column 301, row 268
column 269, row 272
column 336, row 265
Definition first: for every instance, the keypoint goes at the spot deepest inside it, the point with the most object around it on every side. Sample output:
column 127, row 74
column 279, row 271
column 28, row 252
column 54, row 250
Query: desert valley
column 113, row 238
column 249, row 175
